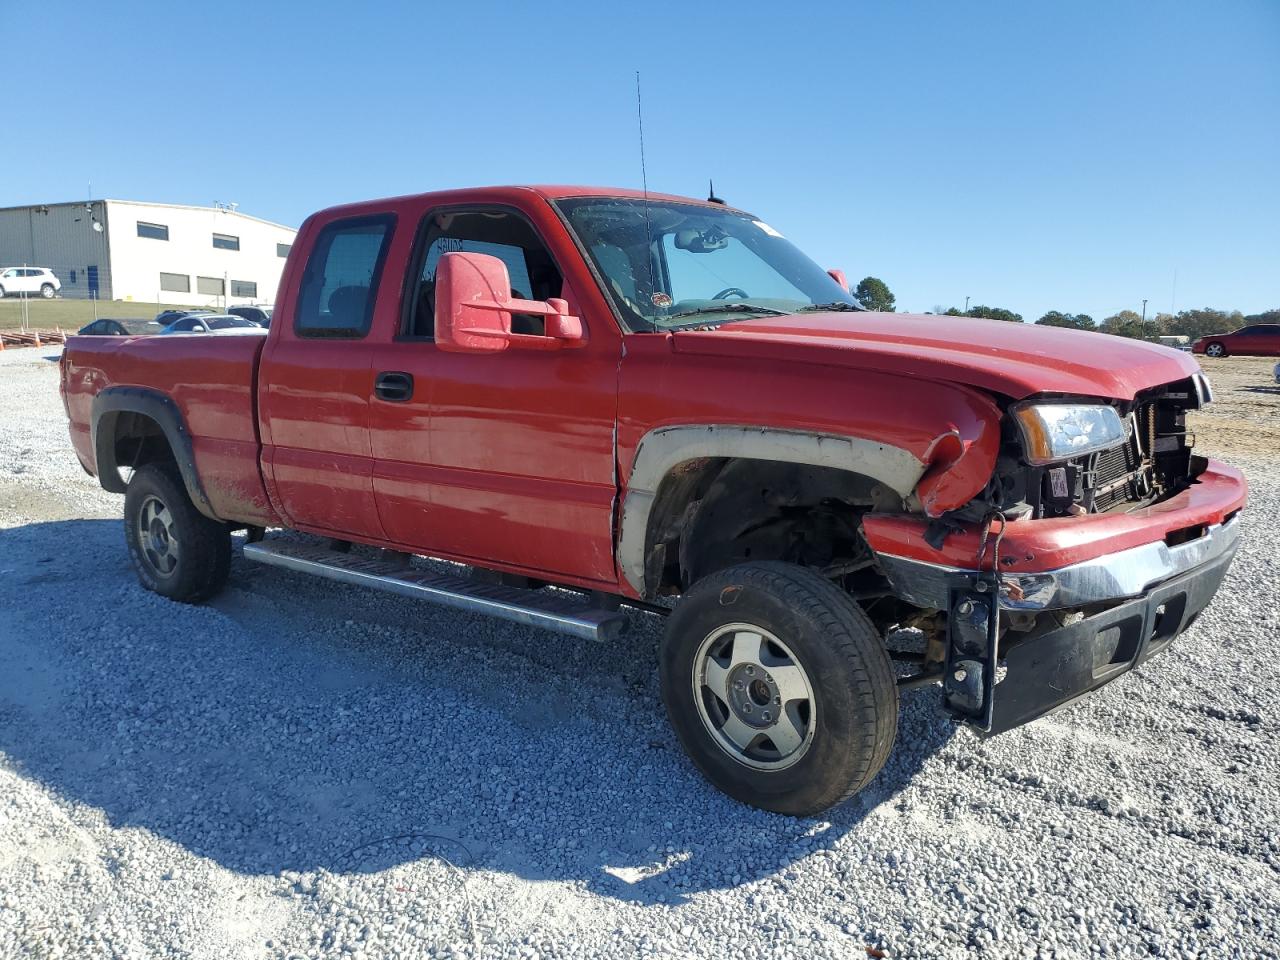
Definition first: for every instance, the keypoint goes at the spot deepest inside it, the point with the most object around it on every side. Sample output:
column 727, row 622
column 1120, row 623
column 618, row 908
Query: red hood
column 1014, row 359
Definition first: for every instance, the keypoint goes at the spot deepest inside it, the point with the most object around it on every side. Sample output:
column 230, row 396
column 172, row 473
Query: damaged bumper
column 1050, row 671
column 1114, row 576
column 1068, row 562
column 1139, row 579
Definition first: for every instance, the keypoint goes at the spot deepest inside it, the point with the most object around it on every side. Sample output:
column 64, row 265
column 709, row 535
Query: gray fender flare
column 107, row 407
column 663, row 449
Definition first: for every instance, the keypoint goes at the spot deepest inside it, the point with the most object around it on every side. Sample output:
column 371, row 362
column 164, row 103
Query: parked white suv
column 29, row 280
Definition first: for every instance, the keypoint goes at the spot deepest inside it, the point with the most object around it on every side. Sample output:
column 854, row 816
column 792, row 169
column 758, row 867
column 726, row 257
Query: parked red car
column 1255, row 340
column 636, row 397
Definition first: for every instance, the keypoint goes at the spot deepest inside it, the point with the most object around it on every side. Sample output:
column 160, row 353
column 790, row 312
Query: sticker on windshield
column 661, row 299
column 767, row 229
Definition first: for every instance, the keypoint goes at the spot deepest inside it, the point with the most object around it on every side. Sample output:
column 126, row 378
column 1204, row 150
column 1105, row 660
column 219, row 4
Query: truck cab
column 598, row 398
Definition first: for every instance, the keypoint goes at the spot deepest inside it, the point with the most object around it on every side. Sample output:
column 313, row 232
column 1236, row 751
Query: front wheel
column 2, row 293
column 177, row 551
column 779, row 687
column 47, row 291
column 1215, row 349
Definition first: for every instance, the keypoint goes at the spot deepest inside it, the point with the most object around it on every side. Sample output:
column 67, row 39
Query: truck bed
column 212, row 380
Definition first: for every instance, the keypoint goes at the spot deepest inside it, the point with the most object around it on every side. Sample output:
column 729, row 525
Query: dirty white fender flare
column 665, row 448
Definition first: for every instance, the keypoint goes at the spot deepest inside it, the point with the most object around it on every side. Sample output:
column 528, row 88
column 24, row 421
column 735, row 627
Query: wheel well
column 137, row 439
column 712, row 513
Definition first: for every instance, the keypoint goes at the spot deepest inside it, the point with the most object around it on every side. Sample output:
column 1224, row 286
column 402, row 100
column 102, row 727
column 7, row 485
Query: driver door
column 501, row 458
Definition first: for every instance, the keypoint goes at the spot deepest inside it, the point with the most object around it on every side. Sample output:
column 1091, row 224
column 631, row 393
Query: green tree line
column 1186, row 323
column 874, row 294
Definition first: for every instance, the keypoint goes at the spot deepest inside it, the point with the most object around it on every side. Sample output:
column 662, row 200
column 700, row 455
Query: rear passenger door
column 315, row 383
column 505, row 458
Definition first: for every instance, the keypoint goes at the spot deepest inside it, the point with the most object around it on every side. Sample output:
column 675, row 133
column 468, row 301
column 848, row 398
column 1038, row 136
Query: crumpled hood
column 1014, row 359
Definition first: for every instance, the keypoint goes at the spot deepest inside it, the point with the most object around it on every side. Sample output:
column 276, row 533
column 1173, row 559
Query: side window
column 340, row 283
column 498, row 233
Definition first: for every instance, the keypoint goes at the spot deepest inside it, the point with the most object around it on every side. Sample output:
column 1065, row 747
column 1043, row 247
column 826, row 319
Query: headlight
column 1060, row 431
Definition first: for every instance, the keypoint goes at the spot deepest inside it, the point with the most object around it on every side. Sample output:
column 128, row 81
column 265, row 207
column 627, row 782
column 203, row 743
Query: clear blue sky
column 1030, row 155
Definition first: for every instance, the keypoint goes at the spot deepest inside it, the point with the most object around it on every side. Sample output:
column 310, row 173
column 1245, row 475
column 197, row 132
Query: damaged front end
column 1068, row 571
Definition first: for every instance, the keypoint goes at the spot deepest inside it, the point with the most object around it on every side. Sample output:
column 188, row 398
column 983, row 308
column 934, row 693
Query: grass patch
column 71, row 315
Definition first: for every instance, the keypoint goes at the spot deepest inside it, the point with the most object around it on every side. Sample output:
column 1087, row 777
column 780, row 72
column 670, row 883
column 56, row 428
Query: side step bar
column 550, row 611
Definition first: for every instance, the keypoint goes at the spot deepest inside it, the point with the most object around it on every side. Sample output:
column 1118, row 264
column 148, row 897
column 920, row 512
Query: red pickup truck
column 595, row 398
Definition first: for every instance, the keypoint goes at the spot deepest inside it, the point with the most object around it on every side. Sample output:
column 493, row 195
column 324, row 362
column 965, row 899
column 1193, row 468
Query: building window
column 225, row 241
column 73, row 275
column 175, row 282
column 244, row 288
column 210, row 286
column 282, row 249
column 153, row 231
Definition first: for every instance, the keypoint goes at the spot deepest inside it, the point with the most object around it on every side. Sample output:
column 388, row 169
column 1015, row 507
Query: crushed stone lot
column 302, row 769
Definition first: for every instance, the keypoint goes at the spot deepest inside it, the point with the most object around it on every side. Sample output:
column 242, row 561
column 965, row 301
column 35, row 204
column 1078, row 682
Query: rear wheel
column 1215, row 349
column 779, row 687
column 177, row 551
column 47, row 291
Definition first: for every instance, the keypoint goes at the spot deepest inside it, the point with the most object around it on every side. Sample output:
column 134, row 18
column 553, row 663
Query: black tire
column 852, row 716
column 2, row 294
column 198, row 566
column 47, row 291
column 1221, row 351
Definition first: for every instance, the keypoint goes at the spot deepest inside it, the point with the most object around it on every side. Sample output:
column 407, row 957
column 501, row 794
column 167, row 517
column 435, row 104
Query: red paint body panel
column 210, row 379
column 1034, row 546
column 686, row 378
column 1013, row 359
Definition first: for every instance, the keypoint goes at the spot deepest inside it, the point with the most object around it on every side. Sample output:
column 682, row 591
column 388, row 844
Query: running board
column 550, row 611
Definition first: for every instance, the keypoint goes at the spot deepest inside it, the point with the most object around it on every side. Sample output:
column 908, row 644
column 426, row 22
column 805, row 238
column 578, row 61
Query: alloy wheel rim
column 1214, row 350
column 156, row 537
column 754, row 697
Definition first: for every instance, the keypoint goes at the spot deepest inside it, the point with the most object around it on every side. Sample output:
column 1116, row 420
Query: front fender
column 663, row 449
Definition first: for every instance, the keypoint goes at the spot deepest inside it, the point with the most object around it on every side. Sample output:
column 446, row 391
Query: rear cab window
column 340, row 282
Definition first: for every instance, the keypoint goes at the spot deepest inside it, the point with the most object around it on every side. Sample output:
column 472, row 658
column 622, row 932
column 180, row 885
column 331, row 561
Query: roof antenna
column 711, row 193
column 644, row 181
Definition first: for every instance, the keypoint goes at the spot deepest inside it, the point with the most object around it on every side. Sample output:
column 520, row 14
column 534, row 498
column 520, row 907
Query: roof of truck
column 548, row 191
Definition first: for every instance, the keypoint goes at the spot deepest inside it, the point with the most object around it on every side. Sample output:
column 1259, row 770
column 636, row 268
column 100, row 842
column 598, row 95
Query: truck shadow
column 297, row 725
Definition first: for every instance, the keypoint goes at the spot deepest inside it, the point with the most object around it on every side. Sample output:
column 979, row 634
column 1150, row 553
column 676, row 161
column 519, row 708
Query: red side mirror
column 838, row 276
column 463, row 281
column 474, row 307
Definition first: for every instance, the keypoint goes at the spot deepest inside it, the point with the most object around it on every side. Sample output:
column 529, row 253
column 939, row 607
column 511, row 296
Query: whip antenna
column 644, row 183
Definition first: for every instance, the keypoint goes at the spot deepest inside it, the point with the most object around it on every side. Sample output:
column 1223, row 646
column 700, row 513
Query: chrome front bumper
column 1115, row 576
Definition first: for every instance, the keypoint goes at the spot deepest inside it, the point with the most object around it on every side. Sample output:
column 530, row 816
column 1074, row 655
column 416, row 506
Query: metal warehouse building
column 156, row 252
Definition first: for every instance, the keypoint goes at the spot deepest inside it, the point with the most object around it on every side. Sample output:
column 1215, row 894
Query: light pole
column 966, row 304
column 1144, row 312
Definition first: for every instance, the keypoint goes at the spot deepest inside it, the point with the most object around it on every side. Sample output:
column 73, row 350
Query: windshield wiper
column 728, row 308
column 835, row 306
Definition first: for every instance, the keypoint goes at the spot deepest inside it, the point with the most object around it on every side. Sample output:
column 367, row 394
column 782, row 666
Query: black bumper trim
column 1053, row 670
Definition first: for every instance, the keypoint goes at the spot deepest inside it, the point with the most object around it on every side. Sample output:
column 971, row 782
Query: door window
column 340, row 283
column 498, row 233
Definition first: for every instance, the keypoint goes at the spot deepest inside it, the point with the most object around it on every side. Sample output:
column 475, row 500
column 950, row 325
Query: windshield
column 668, row 265
column 225, row 323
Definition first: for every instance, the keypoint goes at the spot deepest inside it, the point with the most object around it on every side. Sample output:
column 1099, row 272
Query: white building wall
column 137, row 262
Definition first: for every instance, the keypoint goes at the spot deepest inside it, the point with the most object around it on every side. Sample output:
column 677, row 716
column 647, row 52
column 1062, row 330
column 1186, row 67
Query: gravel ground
column 302, row 769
